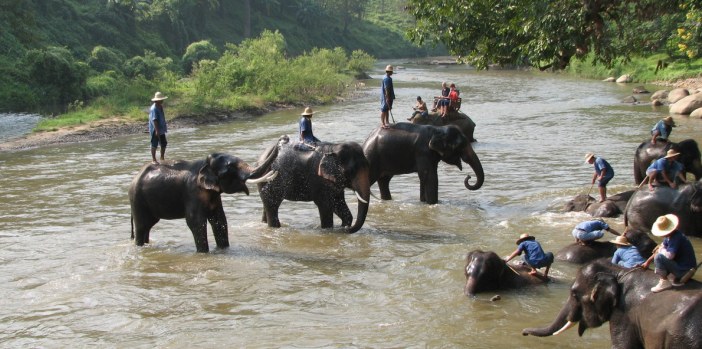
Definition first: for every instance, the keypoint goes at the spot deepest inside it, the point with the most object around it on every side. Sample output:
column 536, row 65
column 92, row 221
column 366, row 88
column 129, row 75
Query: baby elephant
column 486, row 271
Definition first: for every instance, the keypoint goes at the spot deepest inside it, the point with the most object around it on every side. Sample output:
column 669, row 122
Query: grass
column 68, row 119
column 641, row 69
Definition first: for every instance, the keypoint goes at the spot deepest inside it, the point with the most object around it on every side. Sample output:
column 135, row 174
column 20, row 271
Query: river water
column 71, row 277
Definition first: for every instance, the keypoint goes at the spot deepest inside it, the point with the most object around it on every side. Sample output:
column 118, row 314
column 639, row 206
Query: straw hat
column 621, row 240
column 668, row 120
column 665, row 225
column 524, row 237
column 307, row 112
column 588, row 156
column 158, row 97
column 670, row 153
column 388, row 68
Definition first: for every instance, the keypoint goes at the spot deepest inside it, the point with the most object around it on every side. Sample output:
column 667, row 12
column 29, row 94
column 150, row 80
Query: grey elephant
column 646, row 152
column 603, row 292
column 190, row 190
column 685, row 202
column 405, row 148
column 613, row 206
column 456, row 118
column 486, row 271
column 317, row 174
column 580, row 254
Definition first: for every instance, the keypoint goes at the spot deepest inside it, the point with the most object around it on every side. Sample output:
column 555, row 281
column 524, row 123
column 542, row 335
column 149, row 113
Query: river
column 71, row 277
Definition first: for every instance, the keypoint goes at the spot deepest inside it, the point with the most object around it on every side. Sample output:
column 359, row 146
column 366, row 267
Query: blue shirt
column 593, row 225
column 678, row 244
column 533, row 253
column 671, row 168
column 386, row 87
column 627, row 257
column 602, row 164
column 306, row 131
column 156, row 114
column 662, row 128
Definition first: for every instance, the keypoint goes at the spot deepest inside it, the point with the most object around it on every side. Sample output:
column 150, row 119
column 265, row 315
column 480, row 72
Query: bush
column 198, row 51
column 103, row 59
column 57, row 77
column 148, row 66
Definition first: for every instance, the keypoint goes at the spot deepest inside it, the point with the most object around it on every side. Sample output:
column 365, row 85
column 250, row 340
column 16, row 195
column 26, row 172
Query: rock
column 660, row 95
column 677, row 94
column 626, row 78
column 687, row 105
column 656, row 103
column 640, row 90
column 697, row 113
column 610, row 79
column 630, row 99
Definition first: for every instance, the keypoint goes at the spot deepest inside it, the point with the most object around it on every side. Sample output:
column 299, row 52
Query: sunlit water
column 71, row 277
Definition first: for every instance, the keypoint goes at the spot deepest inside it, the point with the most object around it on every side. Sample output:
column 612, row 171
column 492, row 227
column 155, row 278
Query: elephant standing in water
column 685, row 202
column 319, row 175
column 456, row 118
column 404, row 148
column 647, row 152
column 637, row 317
column 190, row 190
column 486, row 271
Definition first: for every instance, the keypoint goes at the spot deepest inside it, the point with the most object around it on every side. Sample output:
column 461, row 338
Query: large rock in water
column 687, row 105
column 677, row 94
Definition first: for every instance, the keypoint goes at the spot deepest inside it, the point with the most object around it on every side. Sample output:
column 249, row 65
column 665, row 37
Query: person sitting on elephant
column 534, row 255
column 675, row 255
column 666, row 171
column 661, row 131
column 591, row 230
column 603, row 173
column 626, row 255
column 306, row 134
column 419, row 109
column 440, row 101
column 453, row 104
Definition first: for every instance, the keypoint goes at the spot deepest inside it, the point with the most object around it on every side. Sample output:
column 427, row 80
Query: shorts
column 155, row 140
column 603, row 182
column 547, row 261
column 384, row 107
column 583, row 235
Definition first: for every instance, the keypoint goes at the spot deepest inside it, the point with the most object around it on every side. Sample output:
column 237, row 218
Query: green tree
column 544, row 34
column 56, row 76
column 103, row 59
column 198, row 51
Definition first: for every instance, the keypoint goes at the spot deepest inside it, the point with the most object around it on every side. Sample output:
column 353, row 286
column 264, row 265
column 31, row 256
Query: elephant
column 317, row 174
column 456, row 118
column 647, row 152
column 685, row 202
column 404, row 148
column 191, row 190
column 613, row 206
column 486, row 271
column 580, row 254
column 637, row 317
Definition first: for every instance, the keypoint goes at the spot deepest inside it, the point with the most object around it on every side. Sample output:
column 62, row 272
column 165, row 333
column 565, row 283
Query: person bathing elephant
column 577, row 253
column 405, row 148
column 685, row 202
column 637, row 318
column 486, row 271
column 613, row 206
column 319, row 175
column 191, row 190
column 690, row 157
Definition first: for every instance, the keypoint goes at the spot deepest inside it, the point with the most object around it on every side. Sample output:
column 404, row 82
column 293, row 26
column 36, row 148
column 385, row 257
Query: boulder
column 687, row 105
column 639, row 90
column 630, row 99
column 610, row 79
column 661, row 95
column 626, row 78
column 697, row 113
column 677, row 94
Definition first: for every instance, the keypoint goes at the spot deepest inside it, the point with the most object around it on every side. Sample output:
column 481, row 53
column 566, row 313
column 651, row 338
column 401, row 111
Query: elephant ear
column 605, row 295
column 330, row 168
column 207, row 179
column 438, row 143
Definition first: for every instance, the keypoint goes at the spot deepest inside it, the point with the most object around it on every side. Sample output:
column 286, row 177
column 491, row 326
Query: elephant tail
column 131, row 219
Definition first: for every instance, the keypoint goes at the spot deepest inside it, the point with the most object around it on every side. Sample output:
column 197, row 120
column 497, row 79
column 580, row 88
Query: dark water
column 70, row 276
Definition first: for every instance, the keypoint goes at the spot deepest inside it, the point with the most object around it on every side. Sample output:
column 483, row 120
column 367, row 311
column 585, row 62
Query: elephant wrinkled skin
column 319, row 175
column 637, row 317
column 456, row 118
column 685, row 202
column 404, row 148
column 190, row 190
column 646, row 152
column 486, row 271
column 580, row 254
column 613, row 206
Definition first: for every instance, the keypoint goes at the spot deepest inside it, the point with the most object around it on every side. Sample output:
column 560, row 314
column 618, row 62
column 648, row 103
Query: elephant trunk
column 557, row 326
column 470, row 158
column 361, row 185
column 263, row 168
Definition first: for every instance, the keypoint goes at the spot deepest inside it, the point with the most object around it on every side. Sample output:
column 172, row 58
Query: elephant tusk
column 374, row 196
column 568, row 325
column 360, row 198
column 265, row 178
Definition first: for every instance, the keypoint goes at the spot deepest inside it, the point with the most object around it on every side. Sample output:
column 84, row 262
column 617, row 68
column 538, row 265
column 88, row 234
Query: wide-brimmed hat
column 665, row 225
column 670, row 153
column 388, row 68
column 588, row 156
column 621, row 240
column 668, row 120
column 524, row 237
column 308, row 111
column 158, row 97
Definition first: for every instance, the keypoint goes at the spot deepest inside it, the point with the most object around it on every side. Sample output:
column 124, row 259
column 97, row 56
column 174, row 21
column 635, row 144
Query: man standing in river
column 157, row 126
column 387, row 96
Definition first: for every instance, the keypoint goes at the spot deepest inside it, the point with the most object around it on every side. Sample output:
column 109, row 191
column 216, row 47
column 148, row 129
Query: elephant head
column 345, row 165
column 483, row 271
column 453, row 146
column 228, row 174
column 690, row 157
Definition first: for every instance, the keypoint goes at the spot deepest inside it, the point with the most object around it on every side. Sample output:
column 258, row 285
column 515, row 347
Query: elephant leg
column 142, row 228
column 384, row 186
column 326, row 213
column 341, row 209
column 271, row 213
column 428, row 186
column 198, row 226
column 220, row 229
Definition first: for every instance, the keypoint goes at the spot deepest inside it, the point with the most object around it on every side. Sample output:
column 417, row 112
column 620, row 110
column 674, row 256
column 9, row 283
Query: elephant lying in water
column 581, row 254
column 190, row 190
column 613, row 206
column 637, row 317
column 486, row 271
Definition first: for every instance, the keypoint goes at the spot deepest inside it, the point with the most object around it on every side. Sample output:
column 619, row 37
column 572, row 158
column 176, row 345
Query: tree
column 541, row 33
